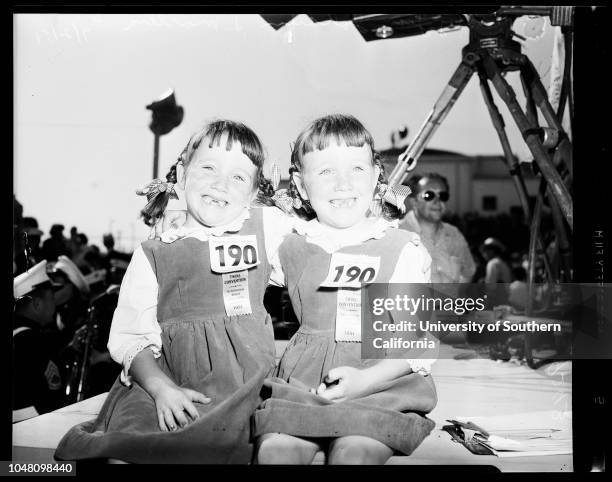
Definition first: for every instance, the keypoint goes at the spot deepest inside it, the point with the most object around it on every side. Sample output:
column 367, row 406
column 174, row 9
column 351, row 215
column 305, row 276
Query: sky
column 82, row 145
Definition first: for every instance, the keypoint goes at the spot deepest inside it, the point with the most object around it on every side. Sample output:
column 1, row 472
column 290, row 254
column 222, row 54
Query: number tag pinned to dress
column 351, row 270
column 229, row 254
column 236, row 293
column 348, row 315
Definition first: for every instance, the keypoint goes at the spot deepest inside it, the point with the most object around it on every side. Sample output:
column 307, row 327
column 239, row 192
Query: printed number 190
column 354, row 272
column 248, row 255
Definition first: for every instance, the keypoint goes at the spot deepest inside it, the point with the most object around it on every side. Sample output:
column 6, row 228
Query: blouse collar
column 204, row 232
column 331, row 239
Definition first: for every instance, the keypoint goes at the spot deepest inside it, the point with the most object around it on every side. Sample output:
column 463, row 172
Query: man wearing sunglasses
column 452, row 261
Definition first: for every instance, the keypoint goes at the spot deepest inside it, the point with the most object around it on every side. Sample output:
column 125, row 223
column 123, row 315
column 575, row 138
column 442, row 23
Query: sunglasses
column 431, row 195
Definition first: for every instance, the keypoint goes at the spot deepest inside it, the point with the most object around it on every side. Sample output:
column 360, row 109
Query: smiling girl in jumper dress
column 325, row 396
column 190, row 328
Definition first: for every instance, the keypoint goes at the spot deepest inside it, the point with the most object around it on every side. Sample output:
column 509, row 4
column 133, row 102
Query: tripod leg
column 567, row 77
column 534, row 231
column 540, row 96
column 408, row 159
column 530, row 107
column 532, row 139
column 511, row 162
column 535, row 90
column 563, row 243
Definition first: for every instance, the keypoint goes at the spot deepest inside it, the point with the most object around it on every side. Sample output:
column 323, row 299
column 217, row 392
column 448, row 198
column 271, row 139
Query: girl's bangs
column 341, row 131
column 250, row 145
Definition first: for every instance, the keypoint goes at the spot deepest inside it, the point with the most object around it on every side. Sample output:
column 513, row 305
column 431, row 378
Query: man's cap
column 65, row 265
column 35, row 277
column 30, row 226
column 33, row 231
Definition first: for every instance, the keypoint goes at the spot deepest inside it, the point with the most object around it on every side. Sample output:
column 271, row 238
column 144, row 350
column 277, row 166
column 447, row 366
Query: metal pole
column 408, row 159
column 511, row 162
column 155, row 155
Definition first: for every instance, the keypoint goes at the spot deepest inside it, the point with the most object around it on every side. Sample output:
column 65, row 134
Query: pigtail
column 301, row 206
column 265, row 191
column 388, row 211
column 158, row 194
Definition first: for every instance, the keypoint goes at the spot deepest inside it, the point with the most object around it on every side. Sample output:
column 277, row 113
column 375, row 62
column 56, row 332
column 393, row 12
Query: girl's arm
column 277, row 224
column 171, row 401
column 135, row 342
column 134, row 327
column 355, row 382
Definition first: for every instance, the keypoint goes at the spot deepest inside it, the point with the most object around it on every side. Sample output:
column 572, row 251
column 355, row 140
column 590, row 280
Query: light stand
column 166, row 115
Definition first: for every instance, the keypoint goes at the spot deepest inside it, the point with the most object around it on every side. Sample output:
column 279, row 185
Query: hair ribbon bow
column 395, row 195
column 281, row 197
column 283, row 200
column 155, row 187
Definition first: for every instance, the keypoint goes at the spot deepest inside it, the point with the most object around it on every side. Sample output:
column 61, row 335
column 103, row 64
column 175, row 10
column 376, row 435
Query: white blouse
column 135, row 326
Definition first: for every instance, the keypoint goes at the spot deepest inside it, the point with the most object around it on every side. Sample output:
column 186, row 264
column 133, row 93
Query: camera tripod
column 490, row 53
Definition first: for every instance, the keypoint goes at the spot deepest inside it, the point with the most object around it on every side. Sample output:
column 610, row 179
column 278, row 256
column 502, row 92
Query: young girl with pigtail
column 190, row 328
column 325, row 396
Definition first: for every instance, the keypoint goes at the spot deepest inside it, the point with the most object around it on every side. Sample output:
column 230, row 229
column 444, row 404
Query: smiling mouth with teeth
column 213, row 201
column 343, row 203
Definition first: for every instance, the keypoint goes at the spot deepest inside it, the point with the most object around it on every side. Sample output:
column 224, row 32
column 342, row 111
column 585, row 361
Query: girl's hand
column 171, row 402
column 351, row 383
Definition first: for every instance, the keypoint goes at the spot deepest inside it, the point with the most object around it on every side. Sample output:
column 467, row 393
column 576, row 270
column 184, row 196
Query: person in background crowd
column 72, row 300
column 518, row 290
column 93, row 259
column 497, row 271
column 74, row 239
column 116, row 262
column 57, row 244
column 37, row 380
column 452, row 261
column 113, row 256
column 29, row 227
column 17, row 235
column 79, row 251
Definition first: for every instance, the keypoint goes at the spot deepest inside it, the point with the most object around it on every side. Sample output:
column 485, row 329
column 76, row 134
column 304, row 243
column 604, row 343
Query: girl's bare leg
column 283, row 449
column 358, row 450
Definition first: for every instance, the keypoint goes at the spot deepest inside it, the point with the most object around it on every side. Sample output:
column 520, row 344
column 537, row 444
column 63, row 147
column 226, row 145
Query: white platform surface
column 466, row 388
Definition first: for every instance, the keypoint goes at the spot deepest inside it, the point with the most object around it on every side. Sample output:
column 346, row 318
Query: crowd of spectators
column 75, row 327
column 89, row 258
